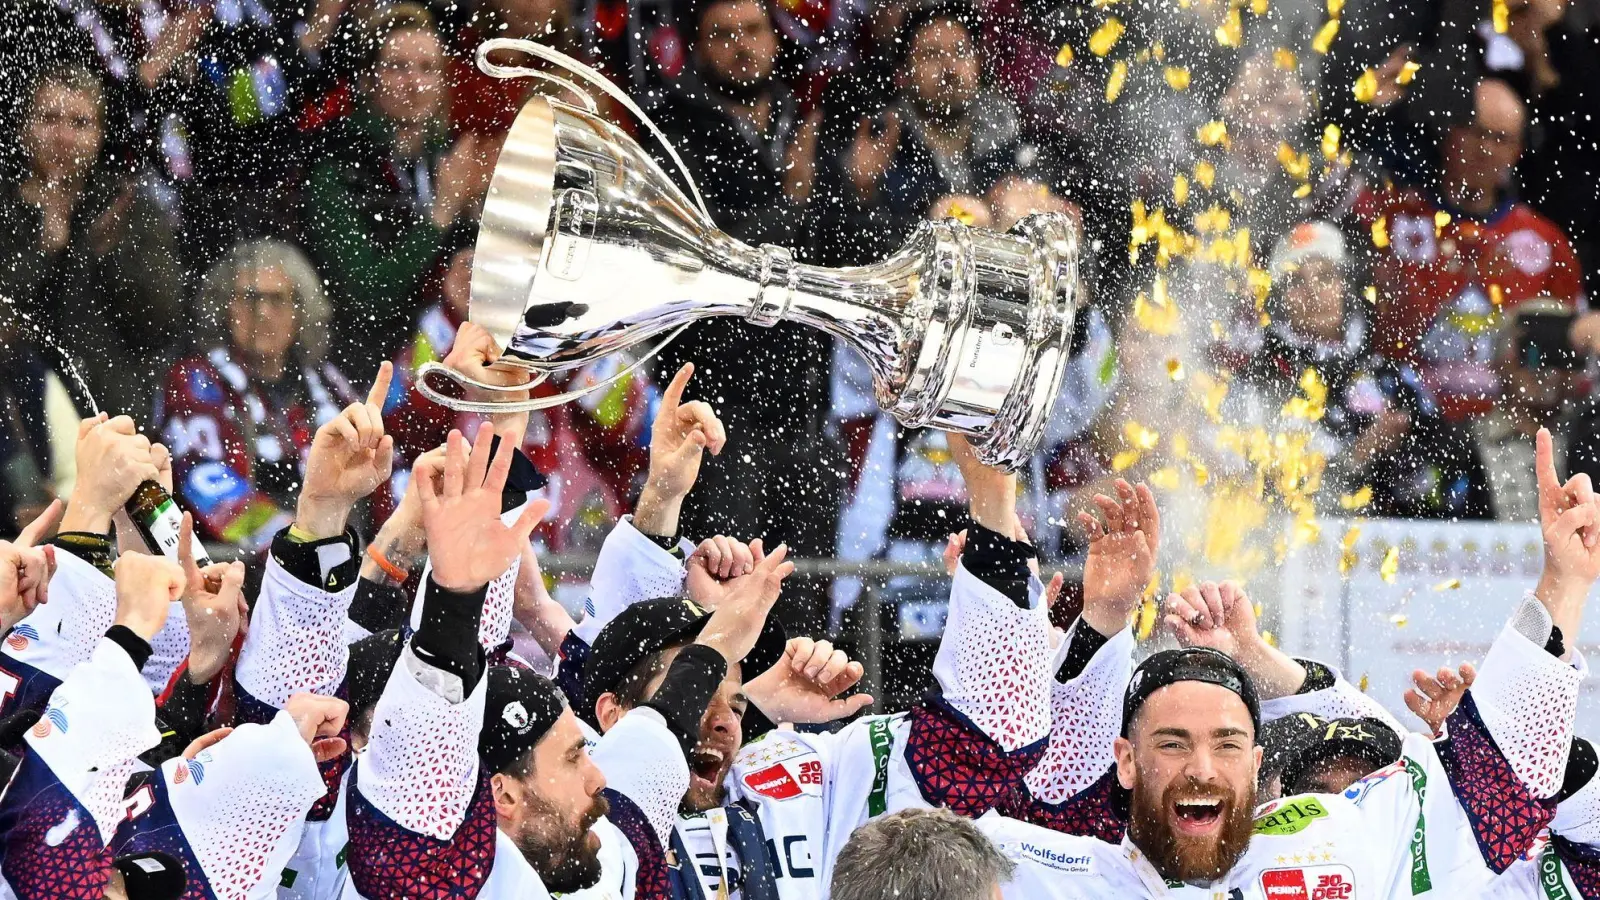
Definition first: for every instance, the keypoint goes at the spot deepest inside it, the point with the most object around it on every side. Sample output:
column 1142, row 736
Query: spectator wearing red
column 488, row 105
column 239, row 416
column 1448, row 263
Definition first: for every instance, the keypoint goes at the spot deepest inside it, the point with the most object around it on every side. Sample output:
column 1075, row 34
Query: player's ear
column 607, row 711
column 507, row 793
column 1122, row 748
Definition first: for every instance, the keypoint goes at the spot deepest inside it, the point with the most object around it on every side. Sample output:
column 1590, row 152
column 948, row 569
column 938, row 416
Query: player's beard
column 741, row 89
column 567, row 861
column 1179, row 857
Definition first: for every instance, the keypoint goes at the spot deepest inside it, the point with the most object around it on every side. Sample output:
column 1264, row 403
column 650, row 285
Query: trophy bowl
column 587, row 248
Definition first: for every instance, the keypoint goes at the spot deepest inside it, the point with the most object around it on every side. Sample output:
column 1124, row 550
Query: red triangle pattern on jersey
column 1099, row 811
column 74, row 869
column 387, row 862
column 651, row 881
column 959, row 767
column 1505, row 816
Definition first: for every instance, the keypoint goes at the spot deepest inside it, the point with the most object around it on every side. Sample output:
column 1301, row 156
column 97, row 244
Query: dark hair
column 630, row 691
column 928, row 14
column 694, row 11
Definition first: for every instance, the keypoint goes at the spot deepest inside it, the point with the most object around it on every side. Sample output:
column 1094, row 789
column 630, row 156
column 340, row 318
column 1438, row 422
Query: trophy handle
column 556, row 57
column 532, row 403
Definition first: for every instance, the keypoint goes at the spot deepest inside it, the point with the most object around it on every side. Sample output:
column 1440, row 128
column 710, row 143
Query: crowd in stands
column 225, row 210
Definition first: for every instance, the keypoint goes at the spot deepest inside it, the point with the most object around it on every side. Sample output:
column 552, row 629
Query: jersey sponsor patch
column 1062, row 861
column 787, row 780
column 1330, row 882
column 20, row 637
column 1290, row 816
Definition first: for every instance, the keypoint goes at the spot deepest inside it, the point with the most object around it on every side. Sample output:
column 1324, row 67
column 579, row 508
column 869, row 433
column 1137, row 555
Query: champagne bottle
column 160, row 522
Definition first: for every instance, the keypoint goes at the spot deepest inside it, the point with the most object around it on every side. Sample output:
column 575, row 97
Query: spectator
column 488, row 105
column 90, row 257
column 741, row 136
column 1539, row 380
column 37, row 430
column 1561, row 170
column 1446, row 263
column 378, row 209
column 239, row 416
column 1385, row 430
column 928, row 854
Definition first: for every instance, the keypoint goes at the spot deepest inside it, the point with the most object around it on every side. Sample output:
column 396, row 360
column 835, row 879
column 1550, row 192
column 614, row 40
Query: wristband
column 397, row 574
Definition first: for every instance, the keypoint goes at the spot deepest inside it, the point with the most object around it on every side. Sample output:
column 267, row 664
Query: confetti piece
column 1140, row 436
column 1380, row 233
column 1212, row 134
column 1366, row 86
column 1205, row 173
column 1114, row 81
column 1440, row 220
column 1180, row 189
column 1164, row 478
column 1064, row 56
column 1270, row 639
column 1371, row 293
column 1231, row 32
column 1284, row 59
column 1302, row 191
column 1147, row 620
column 1177, row 77
column 1497, row 295
column 1306, row 531
column 1358, row 500
column 1330, row 142
column 1298, row 165
column 1106, row 36
column 1323, row 41
column 1408, row 72
column 1258, row 7
column 1122, row 461
column 1363, row 683
column 1390, row 567
column 1501, row 15
column 1158, row 50
column 1174, row 370
column 1449, row 584
column 1158, row 292
column 960, row 214
column 1158, row 320
column 1399, row 620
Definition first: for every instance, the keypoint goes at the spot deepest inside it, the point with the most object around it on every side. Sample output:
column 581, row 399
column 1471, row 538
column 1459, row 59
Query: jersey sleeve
column 1340, row 701
column 1085, row 720
column 630, row 568
column 233, row 813
column 295, row 642
column 56, row 637
column 643, row 762
column 494, row 627
column 421, row 814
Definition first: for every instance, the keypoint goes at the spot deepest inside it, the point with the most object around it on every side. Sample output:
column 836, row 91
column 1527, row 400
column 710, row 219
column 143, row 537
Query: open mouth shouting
column 1197, row 816
column 707, row 767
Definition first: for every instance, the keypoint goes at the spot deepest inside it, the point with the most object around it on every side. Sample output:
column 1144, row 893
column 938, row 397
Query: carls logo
column 1335, row 882
column 20, row 636
column 783, row 781
column 1290, row 816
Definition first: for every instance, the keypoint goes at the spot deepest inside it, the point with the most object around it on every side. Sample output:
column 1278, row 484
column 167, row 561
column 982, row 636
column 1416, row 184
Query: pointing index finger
column 380, row 385
column 1545, row 465
column 673, row 395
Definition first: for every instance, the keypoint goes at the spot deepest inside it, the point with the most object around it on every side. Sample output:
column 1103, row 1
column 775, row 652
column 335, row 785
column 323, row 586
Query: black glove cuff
column 447, row 637
column 687, row 690
column 138, row 648
column 999, row 562
column 303, row 560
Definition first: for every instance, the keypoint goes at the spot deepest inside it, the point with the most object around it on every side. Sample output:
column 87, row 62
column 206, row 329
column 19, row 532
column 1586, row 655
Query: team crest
column 20, row 636
column 53, row 720
column 189, row 770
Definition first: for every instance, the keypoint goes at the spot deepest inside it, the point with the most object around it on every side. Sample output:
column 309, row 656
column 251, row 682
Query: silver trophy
column 587, row 249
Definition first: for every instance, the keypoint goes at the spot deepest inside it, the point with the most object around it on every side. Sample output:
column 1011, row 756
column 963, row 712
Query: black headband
column 1190, row 664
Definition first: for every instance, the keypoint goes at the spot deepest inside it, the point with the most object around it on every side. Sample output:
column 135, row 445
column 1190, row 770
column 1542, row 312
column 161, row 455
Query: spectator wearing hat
column 379, row 208
column 1382, row 427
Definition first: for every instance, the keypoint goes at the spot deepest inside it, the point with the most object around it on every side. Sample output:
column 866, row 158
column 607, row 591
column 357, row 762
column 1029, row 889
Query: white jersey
column 60, row 810
column 1441, row 821
column 57, row 636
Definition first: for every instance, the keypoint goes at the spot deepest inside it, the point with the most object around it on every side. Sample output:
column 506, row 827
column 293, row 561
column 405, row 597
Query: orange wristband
column 393, row 571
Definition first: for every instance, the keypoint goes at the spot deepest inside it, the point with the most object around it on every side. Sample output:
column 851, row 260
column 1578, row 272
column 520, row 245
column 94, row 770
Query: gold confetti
column 1205, row 172
column 1390, row 566
column 1371, row 293
column 1363, row 683
column 1270, row 639
column 1323, row 41
column 1175, row 370
column 1284, row 59
column 1497, row 295
column 1440, row 220
column 1366, row 86
column 1357, row 500
column 1147, row 620
column 1177, row 77
column 1330, row 142
column 1106, row 36
column 1114, row 81
column 1158, row 320
column 1258, row 7
column 1408, row 72
column 1158, row 291
column 1303, row 190
column 1399, row 620
column 1449, row 584
column 1348, row 556
column 960, row 213
column 1158, row 50
column 1380, row 232
column 1140, row 436
column 1501, row 15
column 1298, row 165
column 1180, row 189
column 1064, row 56
column 1211, row 134
column 1123, row 460
column 1313, row 404
column 1231, row 32
column 1335, row 7
column 1164, row 478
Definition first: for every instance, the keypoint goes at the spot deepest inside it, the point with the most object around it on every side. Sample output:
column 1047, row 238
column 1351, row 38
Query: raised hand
column 1434, row 697
column 213, row 606
column 113, row 459
column 991, row 493
column 872, row 152
column 145, row 586
column 805, row 685
column 319, row 720
column 474, row 354
column 534, row 608
column 26, row 565
column 1122, row 555
column 739, row 618
column 350, row 457
column 467, row 542
column 401, row 541
column 677, row 438
column 1569, row 517
column 1222, row 617
column 714, row 566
